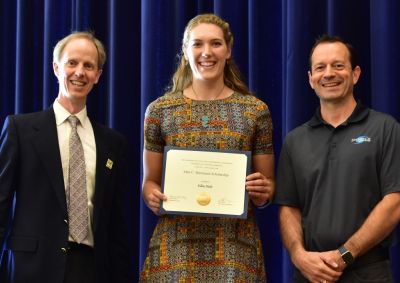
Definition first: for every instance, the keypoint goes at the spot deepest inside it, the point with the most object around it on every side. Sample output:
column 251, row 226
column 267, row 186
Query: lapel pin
column 109, row 164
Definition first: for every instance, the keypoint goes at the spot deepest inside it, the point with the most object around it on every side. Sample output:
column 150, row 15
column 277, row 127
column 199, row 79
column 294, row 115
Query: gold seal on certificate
column 203, row 198
column 205, row 182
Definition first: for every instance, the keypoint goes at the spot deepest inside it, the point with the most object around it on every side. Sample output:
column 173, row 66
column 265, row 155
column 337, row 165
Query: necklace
column 218, row 95
column 205, row 118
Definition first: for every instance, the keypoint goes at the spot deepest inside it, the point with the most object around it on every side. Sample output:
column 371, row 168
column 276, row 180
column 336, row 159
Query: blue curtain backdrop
column 272, row 42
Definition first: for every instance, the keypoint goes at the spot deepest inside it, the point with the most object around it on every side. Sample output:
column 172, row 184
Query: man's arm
column 384, row 217
column 386, row 214
column 8, row 161
column 120, row 249
column 379, row 224
column 310, row 264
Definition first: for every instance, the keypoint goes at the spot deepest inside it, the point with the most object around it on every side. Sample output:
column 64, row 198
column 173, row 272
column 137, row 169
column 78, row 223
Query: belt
column 76, row 246
column 376, row 254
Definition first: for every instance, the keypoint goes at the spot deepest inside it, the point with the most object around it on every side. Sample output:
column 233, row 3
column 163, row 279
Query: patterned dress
column 207, row 249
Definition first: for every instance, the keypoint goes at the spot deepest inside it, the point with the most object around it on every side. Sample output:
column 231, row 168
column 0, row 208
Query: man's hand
column 334, row 260
column 318, row 267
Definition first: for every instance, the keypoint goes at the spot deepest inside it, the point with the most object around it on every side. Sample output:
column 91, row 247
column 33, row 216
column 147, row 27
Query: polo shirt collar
column 360, row 113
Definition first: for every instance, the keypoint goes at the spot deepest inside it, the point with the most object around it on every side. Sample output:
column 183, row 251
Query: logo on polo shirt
column 360, row 140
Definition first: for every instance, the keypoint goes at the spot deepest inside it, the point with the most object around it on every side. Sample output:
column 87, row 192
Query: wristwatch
column 346, row 255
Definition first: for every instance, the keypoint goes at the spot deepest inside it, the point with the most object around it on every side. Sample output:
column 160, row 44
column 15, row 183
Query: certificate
column 205, row 183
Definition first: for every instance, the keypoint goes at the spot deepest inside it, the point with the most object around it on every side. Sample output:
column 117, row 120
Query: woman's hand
column 153, row 197
column 152, row 171
column 260, row 188
column 261, row 184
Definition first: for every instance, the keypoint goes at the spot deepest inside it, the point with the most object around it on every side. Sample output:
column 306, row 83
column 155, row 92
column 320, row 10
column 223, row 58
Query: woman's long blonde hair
column 183, row 76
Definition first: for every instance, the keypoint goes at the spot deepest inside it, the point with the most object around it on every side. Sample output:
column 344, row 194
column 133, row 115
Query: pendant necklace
column 205, row 118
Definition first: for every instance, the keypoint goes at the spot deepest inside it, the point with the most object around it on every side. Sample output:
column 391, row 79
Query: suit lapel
column 46, row 144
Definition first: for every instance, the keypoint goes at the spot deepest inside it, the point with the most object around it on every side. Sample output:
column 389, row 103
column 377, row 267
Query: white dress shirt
column 86, row 134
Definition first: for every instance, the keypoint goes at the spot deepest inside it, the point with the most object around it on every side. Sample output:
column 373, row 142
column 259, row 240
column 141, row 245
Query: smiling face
column 77, row 71
column 331, row 75
column 207, row 52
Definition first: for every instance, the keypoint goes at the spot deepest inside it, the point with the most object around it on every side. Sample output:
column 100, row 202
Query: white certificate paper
column 205, row 183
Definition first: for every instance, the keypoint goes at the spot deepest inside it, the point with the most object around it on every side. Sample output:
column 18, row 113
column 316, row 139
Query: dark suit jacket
column 37, row 232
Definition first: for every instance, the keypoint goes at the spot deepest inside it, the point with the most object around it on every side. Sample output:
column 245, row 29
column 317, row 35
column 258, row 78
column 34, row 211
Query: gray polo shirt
column 336, row 176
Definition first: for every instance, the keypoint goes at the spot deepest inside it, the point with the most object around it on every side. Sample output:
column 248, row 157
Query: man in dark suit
column 39, row 206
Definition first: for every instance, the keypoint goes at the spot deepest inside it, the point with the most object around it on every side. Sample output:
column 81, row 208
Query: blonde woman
column 207, row 106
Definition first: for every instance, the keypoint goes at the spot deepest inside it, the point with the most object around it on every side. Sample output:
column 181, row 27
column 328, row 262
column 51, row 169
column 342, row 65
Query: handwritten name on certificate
column 206, row 183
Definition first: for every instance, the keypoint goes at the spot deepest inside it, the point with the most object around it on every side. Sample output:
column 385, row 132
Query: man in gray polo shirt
column 338, row 182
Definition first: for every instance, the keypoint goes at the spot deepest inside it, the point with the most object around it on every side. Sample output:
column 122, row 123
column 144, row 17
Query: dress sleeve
column 153, row 138
column 263, row 135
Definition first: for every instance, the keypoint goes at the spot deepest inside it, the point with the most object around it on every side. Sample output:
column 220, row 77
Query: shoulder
column 380, row 117
column 297, row 133
column 385, row 124
column 298, row 130
column 24, row 117
column 29, row 119
column 166, row 103
column 167, row 100
column 381, row 122
column 101, row 130
column 249, row 100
